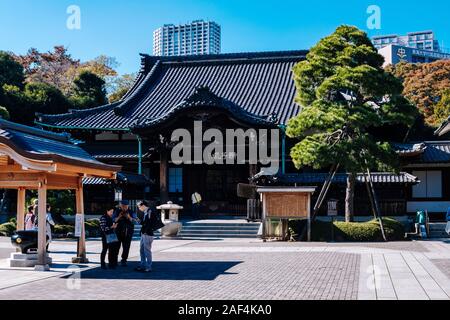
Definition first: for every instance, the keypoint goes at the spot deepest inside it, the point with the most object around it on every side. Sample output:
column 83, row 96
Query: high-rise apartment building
column 424, row 40
column 197, row 37
column 415, row 47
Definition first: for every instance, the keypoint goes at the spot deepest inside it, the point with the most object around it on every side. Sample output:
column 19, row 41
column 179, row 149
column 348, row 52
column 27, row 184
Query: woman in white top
column 49, row 224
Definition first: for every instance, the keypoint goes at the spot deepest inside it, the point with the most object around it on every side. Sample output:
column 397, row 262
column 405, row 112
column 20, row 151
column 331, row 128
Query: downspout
column 139, row 154
column 283, row 148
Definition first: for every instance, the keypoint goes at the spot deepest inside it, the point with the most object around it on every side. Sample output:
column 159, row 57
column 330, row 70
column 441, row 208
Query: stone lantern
column 173, row 211
column 172, row 226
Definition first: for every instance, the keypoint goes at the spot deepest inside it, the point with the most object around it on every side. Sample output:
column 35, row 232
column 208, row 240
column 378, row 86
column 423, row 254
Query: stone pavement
column 239, row 269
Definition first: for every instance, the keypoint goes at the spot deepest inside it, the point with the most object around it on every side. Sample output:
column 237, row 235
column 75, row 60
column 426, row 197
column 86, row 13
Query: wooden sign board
column 287, row 205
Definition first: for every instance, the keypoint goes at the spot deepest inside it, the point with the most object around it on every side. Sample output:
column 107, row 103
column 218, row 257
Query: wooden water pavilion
column 34, row 159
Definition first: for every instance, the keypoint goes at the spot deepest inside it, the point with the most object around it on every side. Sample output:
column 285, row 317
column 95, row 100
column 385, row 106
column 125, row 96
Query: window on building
column 175, row 180
column 430, row 185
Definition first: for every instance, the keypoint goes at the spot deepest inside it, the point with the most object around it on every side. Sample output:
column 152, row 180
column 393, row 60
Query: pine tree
column 345, row 93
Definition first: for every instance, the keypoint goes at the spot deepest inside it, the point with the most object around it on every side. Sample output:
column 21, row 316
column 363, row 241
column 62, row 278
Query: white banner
column 78, row 224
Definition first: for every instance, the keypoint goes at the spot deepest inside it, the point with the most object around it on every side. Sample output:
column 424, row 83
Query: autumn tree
column 57, row 68
column 121, row 86
column 425, row 86
column 344, row 93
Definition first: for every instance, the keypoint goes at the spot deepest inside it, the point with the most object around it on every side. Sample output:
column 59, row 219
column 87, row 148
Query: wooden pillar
column 81, row 245
column 21, row 209
column 42, row 264
column 163, row 176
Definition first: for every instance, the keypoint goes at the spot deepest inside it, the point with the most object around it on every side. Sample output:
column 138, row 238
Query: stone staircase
column 437, row 230
column 219, row 229
column 137, row 232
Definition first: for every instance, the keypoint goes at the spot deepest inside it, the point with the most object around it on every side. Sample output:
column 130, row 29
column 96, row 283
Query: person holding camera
column 124, row 218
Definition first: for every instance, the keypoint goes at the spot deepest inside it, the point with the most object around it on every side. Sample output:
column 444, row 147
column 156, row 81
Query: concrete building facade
column 196, row 38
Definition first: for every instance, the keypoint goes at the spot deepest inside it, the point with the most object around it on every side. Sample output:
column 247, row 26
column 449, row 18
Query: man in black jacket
column 148, row 223
column 124, row 218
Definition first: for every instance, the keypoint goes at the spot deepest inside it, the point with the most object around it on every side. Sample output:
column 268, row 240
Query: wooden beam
column 12, row 168
column 42, row 264
column 108, row 174
column 56, row 181
column 81, row 246
column 21, row 209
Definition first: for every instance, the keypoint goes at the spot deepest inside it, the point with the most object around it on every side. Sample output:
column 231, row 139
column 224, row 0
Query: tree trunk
column 349, row 198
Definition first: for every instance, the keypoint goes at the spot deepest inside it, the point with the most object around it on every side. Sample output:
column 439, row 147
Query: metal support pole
column 139, row 154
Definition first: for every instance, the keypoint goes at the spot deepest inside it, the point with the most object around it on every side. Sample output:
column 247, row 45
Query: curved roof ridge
column 124, row 105
column 202, row 97
column 74, row 112
column 294, row 54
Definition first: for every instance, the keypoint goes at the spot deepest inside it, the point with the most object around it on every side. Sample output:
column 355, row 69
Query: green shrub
column 357, row 231
column 63, row 229
column 7, row 229
column 92, row 228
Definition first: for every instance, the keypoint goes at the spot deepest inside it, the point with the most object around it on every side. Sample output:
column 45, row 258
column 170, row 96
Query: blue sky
column 123, row 29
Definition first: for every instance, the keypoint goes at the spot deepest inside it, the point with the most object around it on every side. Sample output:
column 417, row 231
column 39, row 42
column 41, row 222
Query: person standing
column 36, row 211
column 107, row 227
column 147, row 237
column 124, row 218
column 49, row 224
column 30, row 219
column 196, row 200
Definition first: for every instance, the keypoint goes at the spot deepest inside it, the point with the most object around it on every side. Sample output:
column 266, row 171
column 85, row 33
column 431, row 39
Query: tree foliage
column 88, row 90
column 52, row 82
column 425, row 85
column 120, row 86
column 11, row 72
column 4, row 114
column 345, row 93
column 59, row 69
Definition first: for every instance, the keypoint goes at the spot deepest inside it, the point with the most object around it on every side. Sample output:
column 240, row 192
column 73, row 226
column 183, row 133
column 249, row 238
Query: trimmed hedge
column 63, row 229
column 354, row 231
column 7, row 229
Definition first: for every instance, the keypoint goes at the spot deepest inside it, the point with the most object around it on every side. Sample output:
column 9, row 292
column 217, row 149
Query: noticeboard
column 332, row 208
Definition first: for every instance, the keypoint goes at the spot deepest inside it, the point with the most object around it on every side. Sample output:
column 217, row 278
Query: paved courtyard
column 240, row 269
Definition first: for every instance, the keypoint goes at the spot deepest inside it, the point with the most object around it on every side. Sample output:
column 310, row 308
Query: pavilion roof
column 261, row 84
column 36, row 144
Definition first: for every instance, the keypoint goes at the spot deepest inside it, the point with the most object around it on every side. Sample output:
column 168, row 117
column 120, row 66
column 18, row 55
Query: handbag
column 111, row 238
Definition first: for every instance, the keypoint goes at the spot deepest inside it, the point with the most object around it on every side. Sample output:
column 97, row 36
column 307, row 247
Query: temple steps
column 219, row 230
column 437, row 230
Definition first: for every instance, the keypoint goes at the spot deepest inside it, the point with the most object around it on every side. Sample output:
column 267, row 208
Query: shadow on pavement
column 165, row 270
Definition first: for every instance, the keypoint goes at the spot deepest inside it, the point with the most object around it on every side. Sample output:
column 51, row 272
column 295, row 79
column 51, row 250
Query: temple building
column 245, row 91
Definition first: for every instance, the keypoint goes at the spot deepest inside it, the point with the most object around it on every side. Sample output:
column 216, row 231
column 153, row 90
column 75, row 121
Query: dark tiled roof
column 122, row 178
column 427, row 152
column 259, row 83
column 43, row 145
column 113, row 150
column 341, row 178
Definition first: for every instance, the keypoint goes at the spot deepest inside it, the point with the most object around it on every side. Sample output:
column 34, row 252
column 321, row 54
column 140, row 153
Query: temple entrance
column 218, row 188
